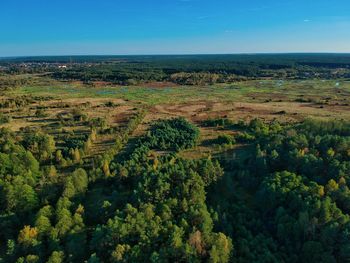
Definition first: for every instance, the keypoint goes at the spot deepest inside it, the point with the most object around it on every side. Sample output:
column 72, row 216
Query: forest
column 288, row 201
column 175, row 159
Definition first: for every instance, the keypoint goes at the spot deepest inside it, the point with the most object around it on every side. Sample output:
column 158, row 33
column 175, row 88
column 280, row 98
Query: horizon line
column 176, row 54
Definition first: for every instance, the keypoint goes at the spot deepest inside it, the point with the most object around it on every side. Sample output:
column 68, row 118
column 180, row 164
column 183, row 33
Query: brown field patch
column 158, row 84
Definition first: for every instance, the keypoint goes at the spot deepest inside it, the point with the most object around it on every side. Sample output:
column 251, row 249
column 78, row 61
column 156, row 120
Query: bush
column 174, row 134
column 225, row 140
column 4, row 119
column 40, row 113
column 222, row 122
column 245, row 137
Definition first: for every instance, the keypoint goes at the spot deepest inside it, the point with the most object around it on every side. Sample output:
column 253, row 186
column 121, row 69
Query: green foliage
column 222, row 122
column 77, row 183
column 40, row 113
column 287, row 199
column 41, row 145
column 4, row 119
column 166, row 218
column 184, row 78
column 56, row 257
column 225, row 140
column 174, row 134
column 162, row 219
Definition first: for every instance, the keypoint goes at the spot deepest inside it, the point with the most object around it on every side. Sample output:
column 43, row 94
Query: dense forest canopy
column 288, row 200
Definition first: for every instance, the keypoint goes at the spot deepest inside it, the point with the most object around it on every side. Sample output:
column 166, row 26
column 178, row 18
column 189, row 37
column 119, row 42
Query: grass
column 257, row 90
column 287, row 100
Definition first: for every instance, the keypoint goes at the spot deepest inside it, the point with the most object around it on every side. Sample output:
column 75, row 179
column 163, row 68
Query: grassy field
column 285, row 101
column 150, row 94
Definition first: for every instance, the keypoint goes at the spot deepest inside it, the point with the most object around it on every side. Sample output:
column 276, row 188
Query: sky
column 132, row 27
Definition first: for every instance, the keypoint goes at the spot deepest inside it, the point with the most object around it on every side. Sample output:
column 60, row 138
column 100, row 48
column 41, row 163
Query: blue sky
column 68, row 27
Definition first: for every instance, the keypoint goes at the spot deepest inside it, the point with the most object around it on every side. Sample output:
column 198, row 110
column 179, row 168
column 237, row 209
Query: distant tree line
column 184, row 70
